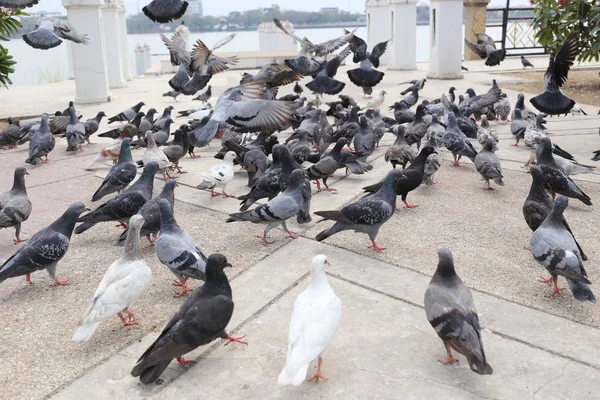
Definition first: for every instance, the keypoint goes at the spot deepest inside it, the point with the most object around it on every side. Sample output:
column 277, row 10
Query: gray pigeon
column 402, row 113
column 91, row 125
column 327, row 165
column 151, row 214
column 294, row 201
column 45, row 249
column 416, row 130
column 162, row 120
column 176, row 249
column 121, row 207
column 434, row 160
column 200, row 320
column 526, row 63
column 75, row 131
column 15, row 206
column 365, row 75
column 554, row 247
column 488, row 165
column 367, row 214
column 177, row 148
column 502, row 108
column 49, row 31
column 255, row 163
column 457, row 142
column 518, row 127
column 120, row 175
column 526, row 113
column 450, row 311
column 172, row 93
column 10, row 135
column 299, row 147
column 364, row 141
column 205, row 96
column 42, row 142
column 400, row 153
column 128, row 114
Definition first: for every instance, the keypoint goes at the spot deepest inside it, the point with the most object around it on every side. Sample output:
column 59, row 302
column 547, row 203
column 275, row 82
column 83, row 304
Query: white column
column 379, row 25
column 445, row 39
column 89, row 61
column 70, row 45
column 125, row 65
column 112, row 39
column 403, row 47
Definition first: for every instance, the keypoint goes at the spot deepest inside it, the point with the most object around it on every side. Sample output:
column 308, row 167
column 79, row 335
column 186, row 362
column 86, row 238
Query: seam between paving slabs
column 502, row 335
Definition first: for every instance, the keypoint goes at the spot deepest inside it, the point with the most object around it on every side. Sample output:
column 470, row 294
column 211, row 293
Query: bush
column 9, row 25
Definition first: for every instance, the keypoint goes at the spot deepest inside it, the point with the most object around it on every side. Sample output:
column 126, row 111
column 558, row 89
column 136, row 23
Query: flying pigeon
column 49, row 31
column 200, row 320
column 488, row 165
column 15, row 206
column 44, row 249
column 323, row 83
column 365, row 75
column 316, row 317
column 450, row 311
column 18, row 3
column 123, row 283
column 42, row 142
column 163, row 11
column 485, row 48
column 553, row 246
column 120, row 175
column 127, row 115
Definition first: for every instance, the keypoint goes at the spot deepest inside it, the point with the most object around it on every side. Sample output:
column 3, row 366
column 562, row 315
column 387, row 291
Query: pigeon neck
column 318, row 278
column 400, row 139
column 537, row 189
column 556, row 216
column 19, row 184
column 445, row 270
column 132, row 250
column 217, row 281
column 125, row 154
column 65, row 224
column 419, row 162
column 544, row 155
column 520, row 103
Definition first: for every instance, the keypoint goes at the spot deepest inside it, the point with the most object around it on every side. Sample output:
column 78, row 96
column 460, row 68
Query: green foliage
column 9, row 25
column 582, row 17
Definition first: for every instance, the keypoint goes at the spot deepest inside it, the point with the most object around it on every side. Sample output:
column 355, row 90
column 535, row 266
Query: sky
column 219, row 8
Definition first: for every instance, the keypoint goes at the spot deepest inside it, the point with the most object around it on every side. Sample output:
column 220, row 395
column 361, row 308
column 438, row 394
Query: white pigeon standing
column 219, row 175
column 155, row 153
column 124, row 282
column 316, row 317
column 376, row 102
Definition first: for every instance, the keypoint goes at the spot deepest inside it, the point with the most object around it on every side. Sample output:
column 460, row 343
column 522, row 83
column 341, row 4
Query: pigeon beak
column 228, row 265
column 26, row 173
column 87, row 209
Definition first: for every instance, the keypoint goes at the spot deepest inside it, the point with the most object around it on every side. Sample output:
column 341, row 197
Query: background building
column 195, row 8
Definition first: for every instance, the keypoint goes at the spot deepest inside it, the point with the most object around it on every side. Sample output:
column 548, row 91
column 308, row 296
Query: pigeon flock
column 340, row 136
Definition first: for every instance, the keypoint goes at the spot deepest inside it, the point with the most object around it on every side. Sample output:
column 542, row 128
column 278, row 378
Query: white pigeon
column 155, row 153
column 124, row 282
column 316, row 317
column 219, row 175
column 376, row 102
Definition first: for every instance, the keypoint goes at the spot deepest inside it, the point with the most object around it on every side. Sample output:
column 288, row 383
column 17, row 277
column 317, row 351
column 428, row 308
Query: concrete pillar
column 271, row 38
column 69, row 44
column 112, row 39
column 475, row 20
column 403, row 47
column 89, row 61
column 379, row 25
column 445, row 39
column 125, row 64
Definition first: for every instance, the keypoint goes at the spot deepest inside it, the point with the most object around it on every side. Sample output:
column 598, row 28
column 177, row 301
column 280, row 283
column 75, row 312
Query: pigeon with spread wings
column 486, row 49
column 163, row 11
column 365, row 75
column 49, row 32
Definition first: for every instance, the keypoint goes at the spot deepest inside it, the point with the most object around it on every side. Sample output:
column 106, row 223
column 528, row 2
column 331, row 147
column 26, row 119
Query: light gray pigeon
column 553, row 246
column 49, row 31
column 485, row 131
column 367, row 214
column 45, row 249
column 15, row 206
column 294, row 201
column 526, row 113
column 502, row 108
column 120, row 175
column 42, row 142
column 518, row 126
column 457, row 142
column 75, row 131
column 488, row 165
column 450, row 311
column 129, row 114
column 176, row 249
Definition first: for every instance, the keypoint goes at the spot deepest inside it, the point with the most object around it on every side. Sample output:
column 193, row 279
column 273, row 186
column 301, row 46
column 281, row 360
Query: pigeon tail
column 337, row 227
column 495, row 57
column 163, row 11
column 84, row 227
column 303, row 65
column 198, row 82
column 362, row 78
column 324, row 84
column 85, row 332
column 32, row 160
column 42, row 39
column 150, row 374
column 178, row 81
column 552, row 103
column 288, row 377
column 581, row 291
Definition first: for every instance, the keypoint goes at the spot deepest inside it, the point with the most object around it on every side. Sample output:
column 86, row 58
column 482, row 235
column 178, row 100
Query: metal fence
column 517, row 29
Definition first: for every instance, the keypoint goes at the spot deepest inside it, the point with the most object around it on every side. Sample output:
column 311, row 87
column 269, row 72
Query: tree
column 9, row 25
column 555, row 20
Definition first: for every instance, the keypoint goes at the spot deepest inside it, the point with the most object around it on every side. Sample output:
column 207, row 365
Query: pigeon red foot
column 375, row 247
column 232, row 339
column 449, row 359
column 19, row 240
column 264, row 239
column 28, row 279
column 318, row 375
column 184, row 363
column 58, row 282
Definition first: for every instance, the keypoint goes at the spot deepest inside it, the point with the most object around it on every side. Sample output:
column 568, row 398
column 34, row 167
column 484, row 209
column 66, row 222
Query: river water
column 41, row 66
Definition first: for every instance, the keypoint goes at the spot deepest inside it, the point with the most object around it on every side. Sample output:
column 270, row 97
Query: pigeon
column 364, row 141
column 502, row 108
column 200, row 320
column 553, row 246
column 161, row 121
column 172, row 93
column 255, row 163
column 402, row 113
column 434, row 160
column 91, row 125
column 205, row 96
column 518, row 127
column 475, row 104
column 176, row 249
column 75, row 132
column 274, row 75
column 18, row 3
column 553, row 101
column 44, row 249
column 177, row 149
column 487, row 164
column 155, row 154
column 49, row 31
column 121, row 207
column 130, row 129
column 571, row 166
column 400, row 153
column 526, row 113
column 466, row 125
column 295, row 200
column 27, row 130
column 365, row 75
column 42, row 142
column 298, row 89
column 486, row 49
column 457, row 143
column 415, row 84
column 367, row 214
column 299, row 147
column 195, row 113
column 15, row 206
column 151, row 214
column 327, row 165
column 412, row 98
column 128, row 114
column 539, row 203
column 316, row 317
column 411, row 178
column 416, row 130
column 10, row 135
column 163, row 11
column 123, row 283
column 219, row 175
column 120, row 175
column 485, row 131
column 376, row 123
column 555, row 179
column 450, row 311
column 367, row 91
column 375, row 102
column 323, row 83
column 526, row 63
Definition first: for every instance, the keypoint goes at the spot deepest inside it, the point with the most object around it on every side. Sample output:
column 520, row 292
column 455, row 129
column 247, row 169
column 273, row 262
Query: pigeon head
column 376, row 112
column 214, row 267
column 297, row 178
column 434, row 119
column 503, row 95
column 399, row 130
column 489, row 145
column 484, row 121
column 471, row 92
column 383, row 93
column 150, row 113
column 76, row 209
column 100, row 114
column 362, row 120
column 20, row 172
column 229, row 156
column 235, row 95
column 150, row 170
column 536, row 172
column 445, row 267
column 136, row 222
column 452, row 89
column 170, row 185
column 427, row 151
column 545, row 143
column 341, row 142
column 318, row 265
column 421, row 110
column 451, row 120
column 560, row 204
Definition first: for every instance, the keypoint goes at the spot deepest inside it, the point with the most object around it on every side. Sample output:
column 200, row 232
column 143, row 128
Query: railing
column 517, row 30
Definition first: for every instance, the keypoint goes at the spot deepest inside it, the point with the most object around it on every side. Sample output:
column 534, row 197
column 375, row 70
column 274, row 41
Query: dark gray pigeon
column 44, row 249
column 488, row 165
column 402, row 113
column 10, row 135
column 172, row 93
column 127, row 115
column 121, row 207
column 364, row 141
column 294, row 201
column 466, row 125
column 518, row 126
column 450, row 311
column 526, row 113
column 162, row 120
column 200, row 320
column 75, row 131
column 367, row 214
column 151, row 213
column 526, row 63
column 327, row 165
column 120, row 175
column 15, row 206
column 255, row 163
column 18, row 3
column 177, row 148
column 42, row 142
column 416, row 130
column 205, row 96
column 49, row 31
column 176, row 249
column 457, row 142
column 92, row 125
column 485, row 48
column 323, row 83
column 554, row 247
column 400, row 153
column 299, row 147
column 365, row 75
